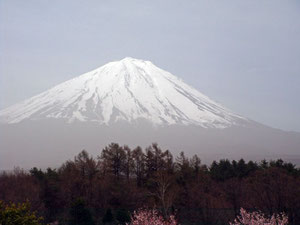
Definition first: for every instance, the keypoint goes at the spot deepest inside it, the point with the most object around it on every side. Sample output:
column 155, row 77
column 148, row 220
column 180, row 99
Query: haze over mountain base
column 50, row 143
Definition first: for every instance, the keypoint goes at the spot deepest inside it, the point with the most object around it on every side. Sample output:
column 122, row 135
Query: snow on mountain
column 125, row 90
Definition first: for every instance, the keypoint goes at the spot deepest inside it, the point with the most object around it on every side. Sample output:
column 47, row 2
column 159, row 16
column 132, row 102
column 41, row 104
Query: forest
column 108, row 188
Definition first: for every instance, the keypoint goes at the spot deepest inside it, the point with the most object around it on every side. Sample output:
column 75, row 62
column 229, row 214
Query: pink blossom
column 258, row 218
column 151, row 217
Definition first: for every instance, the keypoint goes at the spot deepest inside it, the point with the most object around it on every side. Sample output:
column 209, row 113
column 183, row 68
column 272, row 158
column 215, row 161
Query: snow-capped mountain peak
column 126, row 90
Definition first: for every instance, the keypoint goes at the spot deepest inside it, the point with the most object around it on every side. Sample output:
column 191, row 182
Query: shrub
column 18, row 214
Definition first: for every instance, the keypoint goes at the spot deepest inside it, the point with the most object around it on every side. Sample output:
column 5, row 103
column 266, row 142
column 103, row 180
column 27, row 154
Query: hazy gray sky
column 243, row 54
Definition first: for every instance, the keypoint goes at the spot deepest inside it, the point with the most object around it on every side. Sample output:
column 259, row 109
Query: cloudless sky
column 243, row 54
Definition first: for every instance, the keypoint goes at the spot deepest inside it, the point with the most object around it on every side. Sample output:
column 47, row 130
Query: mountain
column 126, row 90
column 132, row 102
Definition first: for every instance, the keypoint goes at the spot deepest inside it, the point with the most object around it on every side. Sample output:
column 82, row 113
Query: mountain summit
column 126, row 90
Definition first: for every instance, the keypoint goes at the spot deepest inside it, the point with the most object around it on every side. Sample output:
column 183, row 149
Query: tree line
column 108, row 188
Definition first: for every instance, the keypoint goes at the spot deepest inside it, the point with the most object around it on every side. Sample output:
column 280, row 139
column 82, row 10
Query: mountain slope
column 126, row 90
column 132, row 102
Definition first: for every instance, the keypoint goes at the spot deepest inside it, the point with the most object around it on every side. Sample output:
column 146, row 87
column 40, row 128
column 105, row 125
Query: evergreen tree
column 241, row 169
column 122, row 216
column 138, row 164
column 113, row 159
column 196, row 164
column 129, row 163
column 80, row 214
column 108, row 217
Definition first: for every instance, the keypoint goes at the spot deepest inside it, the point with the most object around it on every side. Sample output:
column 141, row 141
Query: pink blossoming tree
column 151, row 217
column 258, row 218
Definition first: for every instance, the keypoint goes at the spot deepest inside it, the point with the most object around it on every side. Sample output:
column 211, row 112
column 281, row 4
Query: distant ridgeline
column 107, row 189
